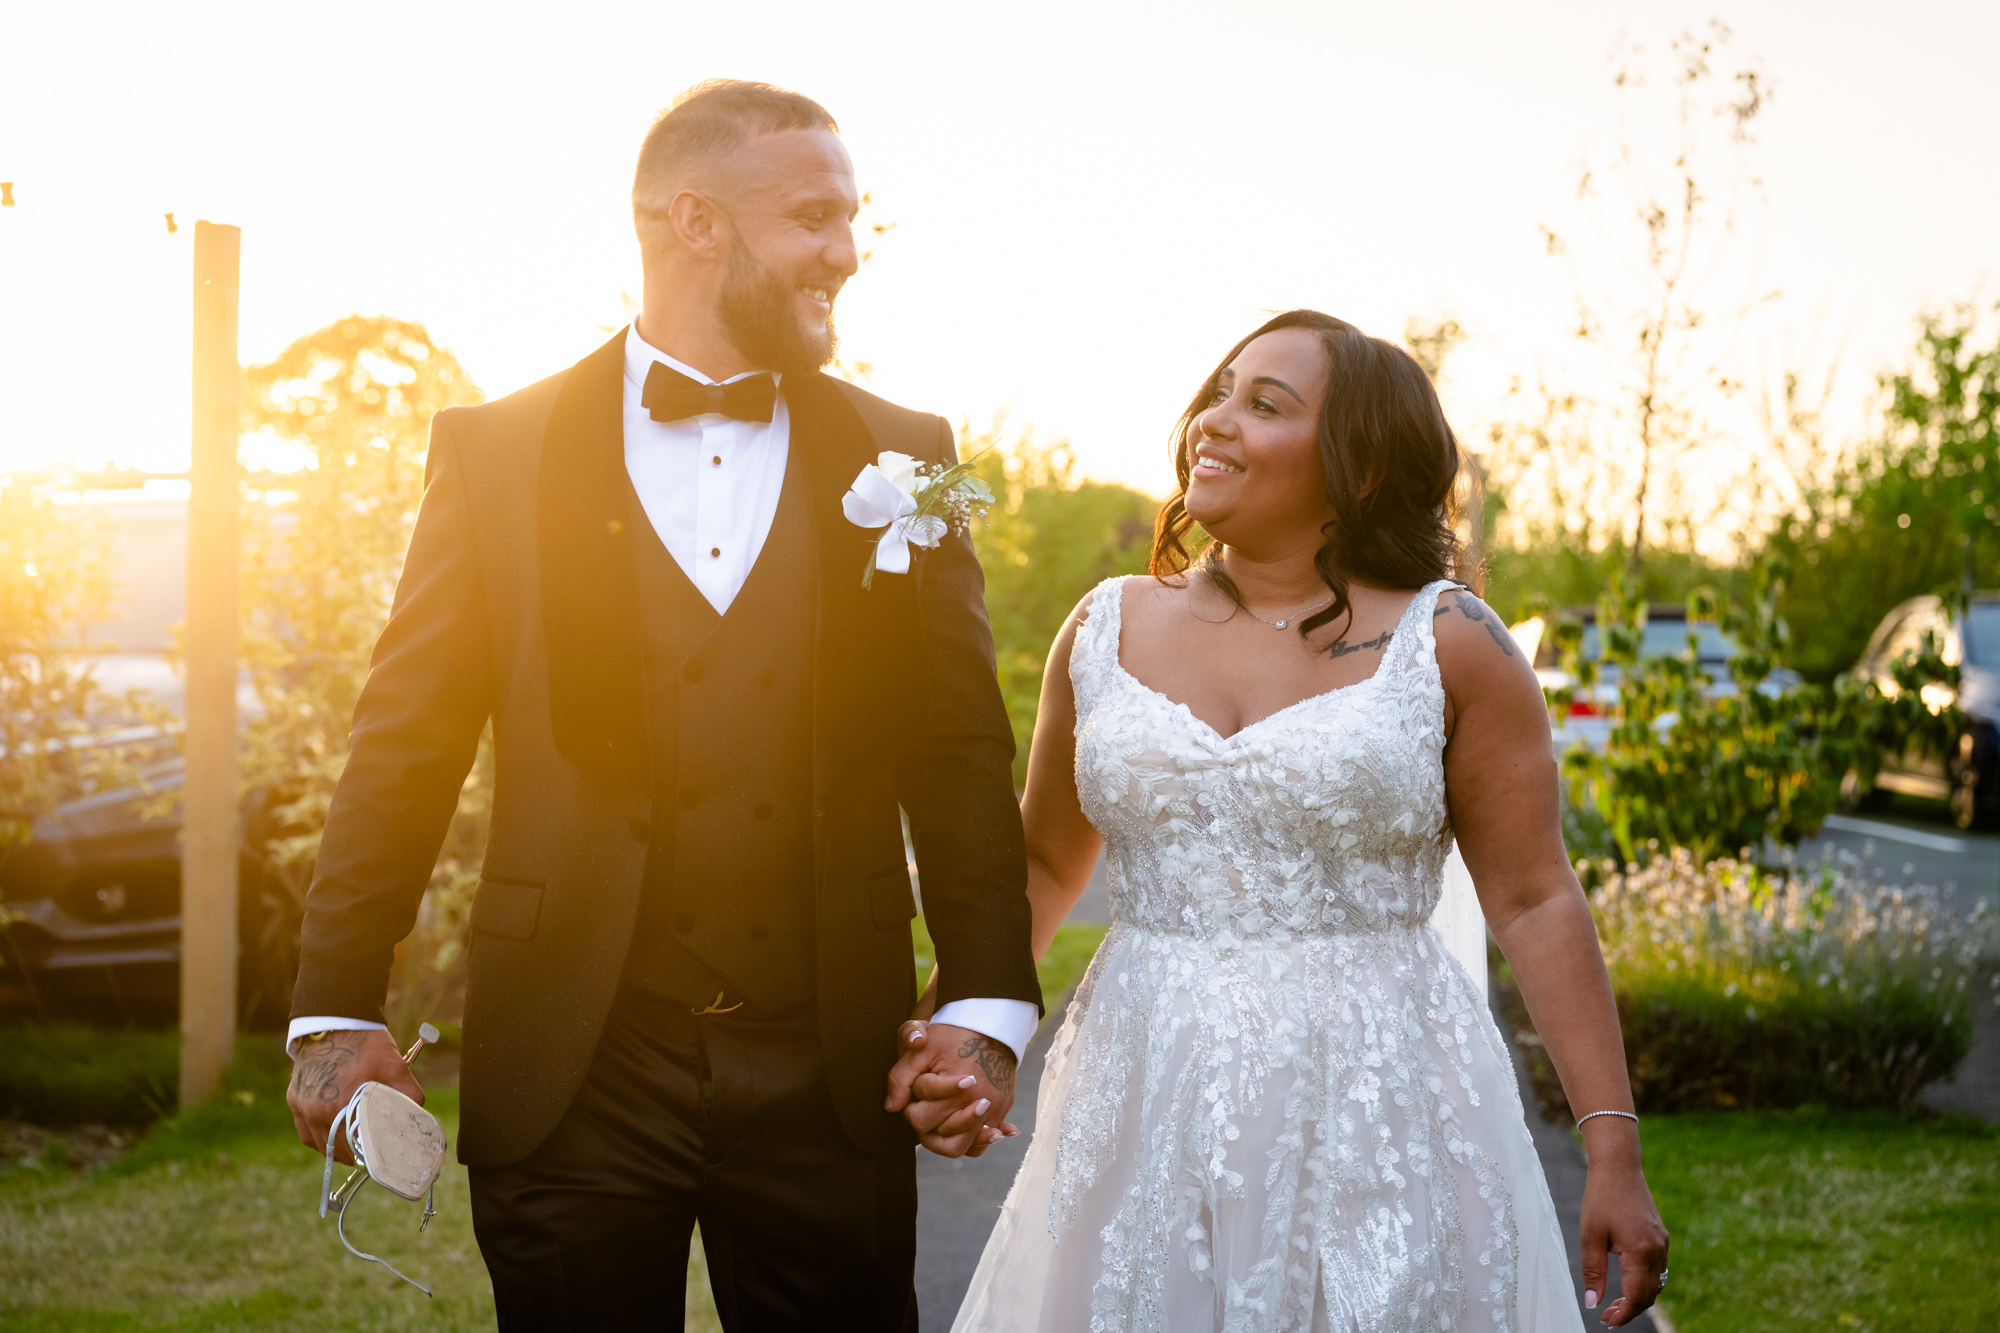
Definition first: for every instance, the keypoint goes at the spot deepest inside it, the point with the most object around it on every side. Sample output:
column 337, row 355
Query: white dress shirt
column 709, row 485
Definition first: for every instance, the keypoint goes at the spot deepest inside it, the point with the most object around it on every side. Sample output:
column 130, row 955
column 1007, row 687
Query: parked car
column 1588, row 720
column 94, row 895
column 1967, row 775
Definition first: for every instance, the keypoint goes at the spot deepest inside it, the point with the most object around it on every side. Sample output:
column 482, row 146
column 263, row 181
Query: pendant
column 1279, row 623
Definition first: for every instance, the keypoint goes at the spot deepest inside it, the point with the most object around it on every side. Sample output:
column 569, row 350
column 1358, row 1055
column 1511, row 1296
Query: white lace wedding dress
column 1278, row 1102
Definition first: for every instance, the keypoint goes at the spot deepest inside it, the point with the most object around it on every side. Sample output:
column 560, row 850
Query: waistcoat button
column 690, row 798
column 691, row 672
column 642, row 830
column 762, row 809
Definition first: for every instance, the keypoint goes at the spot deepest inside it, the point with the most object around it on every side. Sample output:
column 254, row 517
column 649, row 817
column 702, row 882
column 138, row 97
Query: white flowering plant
column 1740, row 985
column 917, row 503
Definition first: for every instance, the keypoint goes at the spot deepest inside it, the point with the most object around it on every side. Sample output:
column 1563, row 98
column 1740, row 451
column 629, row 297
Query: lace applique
column 1271, row 1040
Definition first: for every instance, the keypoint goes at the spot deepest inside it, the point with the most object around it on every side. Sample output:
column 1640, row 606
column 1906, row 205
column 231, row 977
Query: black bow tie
column 672, row 396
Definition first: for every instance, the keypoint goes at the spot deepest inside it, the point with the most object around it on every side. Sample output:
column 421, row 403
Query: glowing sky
column 1093, row 199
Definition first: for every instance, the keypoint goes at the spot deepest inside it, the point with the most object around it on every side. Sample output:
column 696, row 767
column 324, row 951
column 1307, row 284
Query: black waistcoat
column 728, row 901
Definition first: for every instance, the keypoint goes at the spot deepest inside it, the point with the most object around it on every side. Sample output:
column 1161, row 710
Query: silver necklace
column 1280, row 624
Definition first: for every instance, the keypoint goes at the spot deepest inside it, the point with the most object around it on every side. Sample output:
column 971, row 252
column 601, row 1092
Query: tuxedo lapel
column 858, row 674
column 585, row 527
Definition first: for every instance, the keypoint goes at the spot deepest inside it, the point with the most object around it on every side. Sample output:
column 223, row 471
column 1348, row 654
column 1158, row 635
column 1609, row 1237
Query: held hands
column 326, row 1073
column 955, row 1087
column 1619, row 1218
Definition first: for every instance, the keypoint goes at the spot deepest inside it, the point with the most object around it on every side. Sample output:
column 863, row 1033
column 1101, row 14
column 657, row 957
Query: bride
column 1277, row 1102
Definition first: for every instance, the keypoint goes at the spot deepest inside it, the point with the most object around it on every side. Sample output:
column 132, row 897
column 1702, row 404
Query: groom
column 690, row 943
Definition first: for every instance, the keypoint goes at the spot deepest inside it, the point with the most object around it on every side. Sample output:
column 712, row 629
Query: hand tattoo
column 317, row 1073
column 995, row 1060
column 1343, row 649
column 1470, row 607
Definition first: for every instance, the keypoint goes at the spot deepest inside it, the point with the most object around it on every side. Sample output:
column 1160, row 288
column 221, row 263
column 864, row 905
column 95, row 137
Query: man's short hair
column 715, row 118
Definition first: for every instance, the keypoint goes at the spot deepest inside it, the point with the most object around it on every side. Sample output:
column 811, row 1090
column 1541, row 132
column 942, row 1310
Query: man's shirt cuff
column 305, row 1027
column 1010, row 1022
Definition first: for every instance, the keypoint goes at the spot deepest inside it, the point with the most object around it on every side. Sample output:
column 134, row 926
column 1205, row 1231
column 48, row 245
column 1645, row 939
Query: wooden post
column 209, row 808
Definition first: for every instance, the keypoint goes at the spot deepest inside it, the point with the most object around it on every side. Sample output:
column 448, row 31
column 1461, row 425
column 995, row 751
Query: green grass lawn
column 1829, row 1221
column 211, row 1221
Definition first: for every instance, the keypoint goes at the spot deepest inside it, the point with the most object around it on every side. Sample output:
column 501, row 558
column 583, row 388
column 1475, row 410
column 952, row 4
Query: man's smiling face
column 791, row 199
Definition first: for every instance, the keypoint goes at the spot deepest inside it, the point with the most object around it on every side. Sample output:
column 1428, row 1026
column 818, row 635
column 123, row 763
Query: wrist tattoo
column 316, row 1074
column 995, row 1060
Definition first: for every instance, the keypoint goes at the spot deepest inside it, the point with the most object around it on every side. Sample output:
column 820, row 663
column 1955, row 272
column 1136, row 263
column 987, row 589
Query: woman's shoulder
column 1475, row 649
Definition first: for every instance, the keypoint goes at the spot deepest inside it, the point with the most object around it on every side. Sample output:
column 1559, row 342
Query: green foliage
column 67, row 1074
column 1739, row 987
column 1047, row 541
column 55, row 588
column 352, row 402
column 1917, row 512
column 1688, row 765
column 1827, row 1221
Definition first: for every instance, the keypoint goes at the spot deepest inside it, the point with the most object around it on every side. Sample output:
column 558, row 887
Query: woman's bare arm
column 1501, row 781
column 1062, row 845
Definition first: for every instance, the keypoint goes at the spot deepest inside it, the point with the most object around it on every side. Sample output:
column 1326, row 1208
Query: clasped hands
column 955, row 1087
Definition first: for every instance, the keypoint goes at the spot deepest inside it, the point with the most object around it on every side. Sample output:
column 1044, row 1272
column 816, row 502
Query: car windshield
column 1667, row 638
column 1982, row 634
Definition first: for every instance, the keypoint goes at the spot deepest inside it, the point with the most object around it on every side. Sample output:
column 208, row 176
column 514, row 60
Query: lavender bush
column 1742, row 986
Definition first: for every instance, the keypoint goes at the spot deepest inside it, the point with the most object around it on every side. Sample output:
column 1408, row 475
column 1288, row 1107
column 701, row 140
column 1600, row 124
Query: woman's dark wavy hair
column 1391, row 468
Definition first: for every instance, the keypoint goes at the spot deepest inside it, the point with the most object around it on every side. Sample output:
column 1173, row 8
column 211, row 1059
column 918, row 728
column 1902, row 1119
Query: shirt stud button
column 717, row 460
column 715, row 550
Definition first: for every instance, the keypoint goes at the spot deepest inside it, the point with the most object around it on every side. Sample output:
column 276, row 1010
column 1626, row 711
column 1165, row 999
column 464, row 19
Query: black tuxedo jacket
column 518, row 603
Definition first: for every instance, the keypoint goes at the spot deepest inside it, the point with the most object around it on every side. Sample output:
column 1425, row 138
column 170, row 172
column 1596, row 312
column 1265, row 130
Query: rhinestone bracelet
column 1594, row 1114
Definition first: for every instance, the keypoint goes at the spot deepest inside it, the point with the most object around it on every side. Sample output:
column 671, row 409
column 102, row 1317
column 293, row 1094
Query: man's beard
column 759, row 312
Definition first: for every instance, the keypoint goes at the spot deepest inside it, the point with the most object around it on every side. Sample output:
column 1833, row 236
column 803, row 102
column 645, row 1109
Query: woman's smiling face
column 1256, row 476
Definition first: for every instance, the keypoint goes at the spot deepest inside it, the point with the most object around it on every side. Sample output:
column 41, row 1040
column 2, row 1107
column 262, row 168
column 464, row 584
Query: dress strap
column 1093, row 658
column 1416, row 635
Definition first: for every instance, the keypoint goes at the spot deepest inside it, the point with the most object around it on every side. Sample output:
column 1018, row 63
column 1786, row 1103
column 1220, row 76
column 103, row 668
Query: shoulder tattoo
column 1474, row 610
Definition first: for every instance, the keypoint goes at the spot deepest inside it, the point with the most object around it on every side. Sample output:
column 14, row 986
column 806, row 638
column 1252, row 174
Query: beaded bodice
column 1327, row 817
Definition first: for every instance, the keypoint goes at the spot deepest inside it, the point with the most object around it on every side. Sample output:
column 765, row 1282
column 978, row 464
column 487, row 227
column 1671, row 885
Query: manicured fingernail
column 967, row 1081
column 979, row 1107
column 1590, row 1300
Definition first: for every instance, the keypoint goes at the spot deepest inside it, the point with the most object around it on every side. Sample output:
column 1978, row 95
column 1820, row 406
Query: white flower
column 917, row 505
column 900, row 469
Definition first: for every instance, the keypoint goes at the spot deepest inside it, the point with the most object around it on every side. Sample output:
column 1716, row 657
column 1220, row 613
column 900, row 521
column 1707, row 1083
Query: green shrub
column 1717, row 769
column 69, row 1074
column 1742, row 987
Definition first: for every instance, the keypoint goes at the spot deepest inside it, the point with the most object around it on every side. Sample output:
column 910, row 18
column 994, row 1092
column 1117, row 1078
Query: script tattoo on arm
column 1470, row 607
column 317, row 1073
column 1379, row 641
column 995, row 1060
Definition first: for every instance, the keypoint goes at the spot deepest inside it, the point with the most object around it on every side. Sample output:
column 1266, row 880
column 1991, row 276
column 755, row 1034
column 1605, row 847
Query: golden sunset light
column 867, row 666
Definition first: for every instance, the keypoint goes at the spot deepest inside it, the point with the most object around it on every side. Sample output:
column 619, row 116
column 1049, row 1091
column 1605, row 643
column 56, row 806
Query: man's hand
column 955, row 1087
column 326, row 1073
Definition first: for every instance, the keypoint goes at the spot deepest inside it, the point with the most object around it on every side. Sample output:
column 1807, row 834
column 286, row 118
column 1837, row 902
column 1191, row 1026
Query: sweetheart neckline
column 1118, row 664
column 1211, row 728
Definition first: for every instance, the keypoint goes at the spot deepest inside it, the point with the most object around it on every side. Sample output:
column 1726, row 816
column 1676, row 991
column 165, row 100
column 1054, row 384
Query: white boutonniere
column 917, row 502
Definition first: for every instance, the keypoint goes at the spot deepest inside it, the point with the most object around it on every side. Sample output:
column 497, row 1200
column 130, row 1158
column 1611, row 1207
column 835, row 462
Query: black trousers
column 722, row 1120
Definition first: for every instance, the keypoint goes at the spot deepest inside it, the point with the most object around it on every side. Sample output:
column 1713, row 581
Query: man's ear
column 698, row 224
